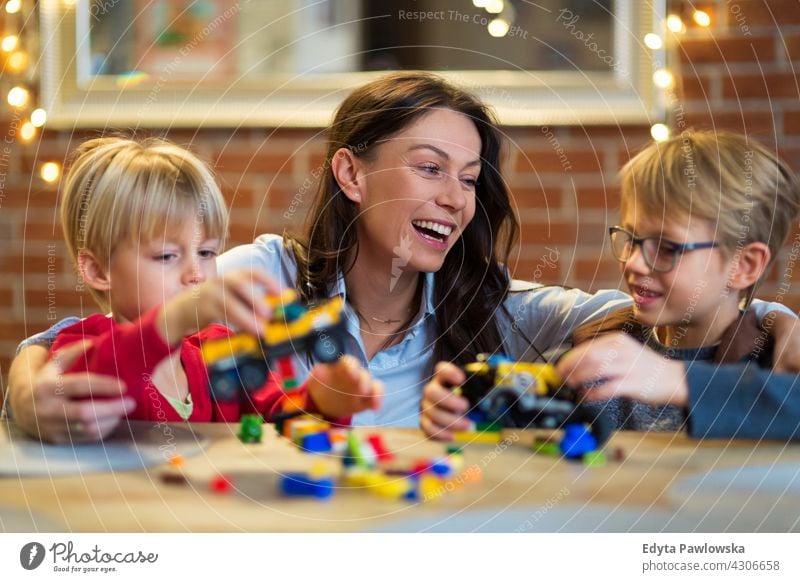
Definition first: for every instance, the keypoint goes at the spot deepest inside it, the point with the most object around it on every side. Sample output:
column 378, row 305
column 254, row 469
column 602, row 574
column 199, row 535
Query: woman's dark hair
column 472, row 283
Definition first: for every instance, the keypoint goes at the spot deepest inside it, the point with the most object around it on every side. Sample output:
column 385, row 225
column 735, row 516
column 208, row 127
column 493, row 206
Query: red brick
column 791, row 122
column 770, row 85
column 694, row 85
column 533, row 197
column 31, row 264
column 749, row 120
column 66, row 300
column 540, row 270
column 744, row 14
column 792, row 42
column 727, row 49
column 35, row 197
column 549, row 160
column 6, row 297
column 599, row 269
column 258, row 162
column 598, row 197
column 547, row 232
column 47, row 230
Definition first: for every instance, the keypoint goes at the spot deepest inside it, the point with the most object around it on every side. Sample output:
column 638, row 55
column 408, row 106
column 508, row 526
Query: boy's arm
column 743, row 401
column 269, row 401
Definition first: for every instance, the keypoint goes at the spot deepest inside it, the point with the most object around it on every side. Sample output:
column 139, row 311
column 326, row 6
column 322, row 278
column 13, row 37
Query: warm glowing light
column 480, row 3
column 50, row 172
column 702, row 18
column 27, row 132
column 653, row 41
column 675, row 24
column 660, row 132
column 495, row 6
column 663, row 79
column 18, row 97
column 13, row 6
column 38, row 117
column 17, row 61
column 498, row 27
column 9, row 43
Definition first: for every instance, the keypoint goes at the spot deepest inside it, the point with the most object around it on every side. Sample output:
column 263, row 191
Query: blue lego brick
column 301, row 485
column 577, row 441
column 318, row 442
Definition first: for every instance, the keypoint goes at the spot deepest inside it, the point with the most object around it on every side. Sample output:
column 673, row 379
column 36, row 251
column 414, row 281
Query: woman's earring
column 356, row 195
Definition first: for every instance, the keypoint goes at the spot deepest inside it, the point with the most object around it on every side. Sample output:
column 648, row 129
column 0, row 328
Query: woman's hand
column 342, row 388
column 616, row 365
column 235, row 299
column 442, row 409
column 47, row 403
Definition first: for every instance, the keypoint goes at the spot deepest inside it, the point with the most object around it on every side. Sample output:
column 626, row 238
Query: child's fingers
column 441, row 397
column 376, row 396
column 435, row 431
column 239, row 316
column 83, row 384
column 449, row 374
column 444, row 417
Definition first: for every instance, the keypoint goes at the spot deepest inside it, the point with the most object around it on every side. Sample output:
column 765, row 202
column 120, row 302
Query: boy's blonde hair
column 120, row 190
column 728, row 179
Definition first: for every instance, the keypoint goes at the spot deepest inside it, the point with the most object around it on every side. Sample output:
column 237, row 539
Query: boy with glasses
column 703, row 218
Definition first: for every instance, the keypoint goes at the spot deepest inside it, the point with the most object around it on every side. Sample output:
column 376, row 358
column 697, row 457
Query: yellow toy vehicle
column 242, row 360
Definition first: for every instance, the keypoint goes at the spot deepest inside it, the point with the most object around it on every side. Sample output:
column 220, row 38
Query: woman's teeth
column 434, row 228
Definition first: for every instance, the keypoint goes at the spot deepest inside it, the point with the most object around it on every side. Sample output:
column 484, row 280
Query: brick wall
column 738, row 74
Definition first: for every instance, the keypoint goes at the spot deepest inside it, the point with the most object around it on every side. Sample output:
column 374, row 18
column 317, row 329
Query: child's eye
column 207, row 253
column 165, row 257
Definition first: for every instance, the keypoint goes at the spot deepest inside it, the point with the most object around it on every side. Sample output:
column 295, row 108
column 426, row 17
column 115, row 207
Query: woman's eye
column 431, row 169
column 470, row 182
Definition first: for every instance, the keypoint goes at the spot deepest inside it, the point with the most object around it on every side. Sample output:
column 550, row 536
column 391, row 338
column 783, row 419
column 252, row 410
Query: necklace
column 385, row 321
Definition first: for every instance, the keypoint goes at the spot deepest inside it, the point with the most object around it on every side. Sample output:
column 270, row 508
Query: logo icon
column 402, row 256
column 31, row 555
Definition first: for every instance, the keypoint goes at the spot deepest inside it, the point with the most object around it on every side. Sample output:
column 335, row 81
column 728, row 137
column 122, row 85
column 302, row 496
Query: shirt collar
column 339, row 289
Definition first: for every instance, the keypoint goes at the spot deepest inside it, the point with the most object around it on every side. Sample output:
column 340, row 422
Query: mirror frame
column 525, row 98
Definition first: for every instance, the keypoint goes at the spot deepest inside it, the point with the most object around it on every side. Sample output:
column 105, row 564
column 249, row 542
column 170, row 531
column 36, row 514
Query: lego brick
column 491, row 438
column 318, row 442
column 303, row 485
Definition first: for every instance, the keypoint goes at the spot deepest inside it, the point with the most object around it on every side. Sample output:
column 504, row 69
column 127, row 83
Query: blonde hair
column 728, row 179
column 120, row 190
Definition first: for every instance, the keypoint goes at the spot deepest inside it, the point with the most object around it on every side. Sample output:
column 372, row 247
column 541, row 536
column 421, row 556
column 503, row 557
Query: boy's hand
column 343, row 388
column 236, row 299
column 442, row 410
column 785, row 329
column 623, row 367
column 49, row 406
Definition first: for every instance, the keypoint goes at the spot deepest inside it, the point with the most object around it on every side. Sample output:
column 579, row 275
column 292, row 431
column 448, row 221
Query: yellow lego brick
column 467, row 436
column 430, row 487
column 392, row 486
column 294, row 402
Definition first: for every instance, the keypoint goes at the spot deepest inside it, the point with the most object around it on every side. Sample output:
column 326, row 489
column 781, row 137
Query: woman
column 413, row 225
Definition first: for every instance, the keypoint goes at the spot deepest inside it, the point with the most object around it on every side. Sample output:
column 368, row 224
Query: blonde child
column 144, row 222
column 703, row 217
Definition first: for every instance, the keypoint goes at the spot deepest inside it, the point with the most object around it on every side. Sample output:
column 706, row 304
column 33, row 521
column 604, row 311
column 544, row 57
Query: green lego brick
column 594, row 459
column 290, row 384
column 548, row 448
column 485, row 426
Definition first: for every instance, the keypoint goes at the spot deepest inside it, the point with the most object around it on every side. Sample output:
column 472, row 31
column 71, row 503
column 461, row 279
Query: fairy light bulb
column 663, row 79
column 13, row 6
column 27, row 132
column 9, row 43
column 653, row 41
column 675, row 24
column 38, row 117
column 702, row 18
column 498, row 27
column 50, row 172
column 660, row 132
column 18, row 97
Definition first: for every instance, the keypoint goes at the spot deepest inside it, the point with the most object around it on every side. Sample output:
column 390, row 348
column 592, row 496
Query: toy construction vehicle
column 242, row 361
column 525, row 395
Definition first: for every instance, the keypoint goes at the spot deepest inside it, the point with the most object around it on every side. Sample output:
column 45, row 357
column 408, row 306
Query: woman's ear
column 94, row 274
column 749, row 264
column 348, row 169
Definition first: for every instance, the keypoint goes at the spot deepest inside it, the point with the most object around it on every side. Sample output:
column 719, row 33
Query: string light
column 660, row 132
column 18, row 96
column 50, row 172
column 498, row 27
column 38, row 117
column 17, row 62
column 480, row 3
column 13, row 6
column 663, row 79
column 27, row 132
column 9, row 43
column 675, row 24
column 495, row 6
column 653, row 41
column 701, row 18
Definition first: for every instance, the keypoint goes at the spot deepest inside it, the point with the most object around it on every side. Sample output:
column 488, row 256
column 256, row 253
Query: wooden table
column 650, row 490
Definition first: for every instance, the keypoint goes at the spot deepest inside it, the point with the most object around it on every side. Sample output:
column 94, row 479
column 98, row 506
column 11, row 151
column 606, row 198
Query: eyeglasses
column 659, row 254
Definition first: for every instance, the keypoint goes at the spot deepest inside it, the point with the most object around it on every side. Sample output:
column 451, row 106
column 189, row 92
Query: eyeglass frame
column 677, row 248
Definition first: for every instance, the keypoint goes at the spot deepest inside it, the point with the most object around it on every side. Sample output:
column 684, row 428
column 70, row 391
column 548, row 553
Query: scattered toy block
column 316, row 443
column 221, row 484
column 382, row 452
column 491, row 438
column 250, row 428
column 577, row 441
column 303, row 485
column 594, row 459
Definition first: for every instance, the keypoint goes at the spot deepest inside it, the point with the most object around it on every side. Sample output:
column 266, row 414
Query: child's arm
column 723, row 400
column 443, row 411
column 337, row 391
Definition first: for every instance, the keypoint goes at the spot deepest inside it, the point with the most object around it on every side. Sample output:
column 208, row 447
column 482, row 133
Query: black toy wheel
column 326, row 347
column 253, row 374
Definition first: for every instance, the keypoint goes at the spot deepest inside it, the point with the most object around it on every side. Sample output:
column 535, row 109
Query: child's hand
column 235, row 299
column 442, row 410
column 343, row 388
column 625, row 368
column 49, row 404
